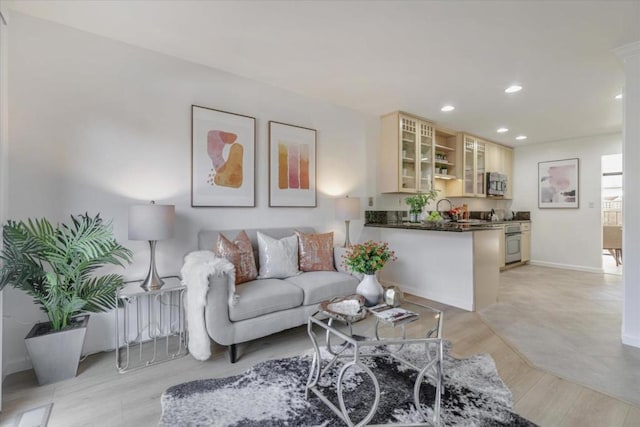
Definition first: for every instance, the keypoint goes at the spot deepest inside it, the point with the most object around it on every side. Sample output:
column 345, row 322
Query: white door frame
column 3, row 149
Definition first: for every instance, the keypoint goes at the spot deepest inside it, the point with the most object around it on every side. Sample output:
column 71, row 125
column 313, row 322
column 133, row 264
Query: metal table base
column 353, row 350
column 154, row 327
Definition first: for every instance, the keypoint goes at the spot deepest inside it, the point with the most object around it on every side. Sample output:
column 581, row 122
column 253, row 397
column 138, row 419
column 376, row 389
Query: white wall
column 565, row 238
column 97, row 125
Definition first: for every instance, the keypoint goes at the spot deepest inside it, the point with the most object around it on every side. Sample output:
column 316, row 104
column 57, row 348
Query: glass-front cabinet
column 409, row 155
column 406, row 154
column 469, row 173
column 425, row 182
column 481, row 172
column 474, row 159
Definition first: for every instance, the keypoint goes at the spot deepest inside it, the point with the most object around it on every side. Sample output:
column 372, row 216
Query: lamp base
column 347, row 243
column 153, row 280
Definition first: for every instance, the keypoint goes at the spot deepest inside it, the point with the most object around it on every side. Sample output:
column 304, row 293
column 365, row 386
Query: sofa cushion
column 240, row 254
column 278, row 257
column 322, row 285
column 208, row 238
column 263, row 296
column 315, row 251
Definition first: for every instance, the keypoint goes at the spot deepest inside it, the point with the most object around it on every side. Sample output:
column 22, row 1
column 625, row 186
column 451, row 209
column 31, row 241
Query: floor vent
column 36, row 417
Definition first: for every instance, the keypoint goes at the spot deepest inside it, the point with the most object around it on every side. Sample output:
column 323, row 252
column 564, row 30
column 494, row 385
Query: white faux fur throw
column 197, row 268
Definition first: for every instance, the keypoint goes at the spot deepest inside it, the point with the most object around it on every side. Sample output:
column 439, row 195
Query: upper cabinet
column 416, row 155
column 472, row 153
column 500, row 159
column 406, row 163
column 478, row 157
column 445, row 154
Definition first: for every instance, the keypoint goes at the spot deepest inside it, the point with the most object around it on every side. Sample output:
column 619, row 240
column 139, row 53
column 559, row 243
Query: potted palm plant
column 57, row 266
column 418, row 202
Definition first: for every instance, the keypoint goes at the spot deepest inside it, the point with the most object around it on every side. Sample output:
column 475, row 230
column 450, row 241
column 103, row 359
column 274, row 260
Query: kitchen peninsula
column 451, row 263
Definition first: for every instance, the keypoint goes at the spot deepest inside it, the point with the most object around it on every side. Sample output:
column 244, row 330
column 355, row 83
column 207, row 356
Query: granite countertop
column 504, row 221
column 397, row 219
column 444, row 226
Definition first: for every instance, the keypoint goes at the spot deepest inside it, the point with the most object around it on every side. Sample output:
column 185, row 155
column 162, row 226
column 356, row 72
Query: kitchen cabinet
column 445, row 154
column 472, row 154
column 406, row 162
column 445, row 159
column 525, row 242
column 501, row 262
column 500, row 159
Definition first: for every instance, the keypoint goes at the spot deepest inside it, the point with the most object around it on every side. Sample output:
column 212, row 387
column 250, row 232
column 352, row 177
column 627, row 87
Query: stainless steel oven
column 512, row 243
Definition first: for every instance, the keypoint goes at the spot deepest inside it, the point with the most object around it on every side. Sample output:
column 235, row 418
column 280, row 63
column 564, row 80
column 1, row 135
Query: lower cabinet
column 525, row 243
column 501, row 262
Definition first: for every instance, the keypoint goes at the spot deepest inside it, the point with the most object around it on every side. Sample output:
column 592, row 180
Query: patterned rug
column 272, row 393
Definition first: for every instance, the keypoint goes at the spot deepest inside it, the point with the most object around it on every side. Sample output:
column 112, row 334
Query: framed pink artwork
column 223, row 159
column 558, row 184
column 292, row 166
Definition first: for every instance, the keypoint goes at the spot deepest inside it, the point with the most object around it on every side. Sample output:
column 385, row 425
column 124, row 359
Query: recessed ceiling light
column 448, row 108
column 502, row 130
column 619, row 96
column 513, row 89
column 521, row 137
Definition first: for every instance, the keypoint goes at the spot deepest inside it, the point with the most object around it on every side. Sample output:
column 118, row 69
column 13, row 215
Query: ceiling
column 415, row 56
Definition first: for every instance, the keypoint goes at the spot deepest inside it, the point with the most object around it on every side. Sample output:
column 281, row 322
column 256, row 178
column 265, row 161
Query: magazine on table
column 393, row 315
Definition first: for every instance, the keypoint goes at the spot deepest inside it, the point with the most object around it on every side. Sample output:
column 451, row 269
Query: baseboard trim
column 566, row 266
column 632, row 340
column 16, row 365
column 434, row 297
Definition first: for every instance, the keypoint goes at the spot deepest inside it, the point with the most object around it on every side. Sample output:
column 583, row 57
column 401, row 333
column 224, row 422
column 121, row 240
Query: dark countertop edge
column 457, row 228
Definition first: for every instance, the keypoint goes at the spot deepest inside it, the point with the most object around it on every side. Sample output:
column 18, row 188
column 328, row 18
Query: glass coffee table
column 349, row 341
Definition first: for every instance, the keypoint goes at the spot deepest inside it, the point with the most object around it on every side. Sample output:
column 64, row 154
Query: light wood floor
column 568, row 323
column 99, row 396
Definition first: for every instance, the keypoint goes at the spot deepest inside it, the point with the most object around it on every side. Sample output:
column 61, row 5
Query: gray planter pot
column 55, row 355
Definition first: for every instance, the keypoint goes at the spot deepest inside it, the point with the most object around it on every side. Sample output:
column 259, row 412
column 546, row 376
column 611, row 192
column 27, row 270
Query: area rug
column 272, row 393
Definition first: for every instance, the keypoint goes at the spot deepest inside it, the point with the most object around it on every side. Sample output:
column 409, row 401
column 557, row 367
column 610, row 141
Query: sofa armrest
column 338, row 253
column 219, row 296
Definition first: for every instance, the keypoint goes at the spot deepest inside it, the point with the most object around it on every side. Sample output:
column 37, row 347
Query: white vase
column 370, row 289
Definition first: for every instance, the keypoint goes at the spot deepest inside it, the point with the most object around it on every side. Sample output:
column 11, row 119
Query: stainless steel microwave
column 496, row 184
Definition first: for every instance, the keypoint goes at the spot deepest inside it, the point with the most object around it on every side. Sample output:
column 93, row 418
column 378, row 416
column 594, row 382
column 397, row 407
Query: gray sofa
column 267, row 306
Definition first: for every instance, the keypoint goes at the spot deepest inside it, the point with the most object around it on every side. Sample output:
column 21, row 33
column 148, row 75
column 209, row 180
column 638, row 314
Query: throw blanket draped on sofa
column 198, row 267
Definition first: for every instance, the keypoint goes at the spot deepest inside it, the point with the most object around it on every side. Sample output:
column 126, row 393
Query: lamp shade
column 151, row 222
column 348, row 208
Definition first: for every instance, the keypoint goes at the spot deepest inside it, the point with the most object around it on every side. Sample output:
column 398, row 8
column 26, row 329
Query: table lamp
column 151, row 222
column 347, row 208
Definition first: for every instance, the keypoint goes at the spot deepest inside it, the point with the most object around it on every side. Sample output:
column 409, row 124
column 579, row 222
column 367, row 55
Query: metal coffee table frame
column 354, row 348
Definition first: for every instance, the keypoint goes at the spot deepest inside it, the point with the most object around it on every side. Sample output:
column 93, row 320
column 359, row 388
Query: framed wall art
column 292, row 166
column 223, row 147
column 558, row 185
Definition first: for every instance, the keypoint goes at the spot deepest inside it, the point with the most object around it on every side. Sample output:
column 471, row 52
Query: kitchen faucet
column 441, row 200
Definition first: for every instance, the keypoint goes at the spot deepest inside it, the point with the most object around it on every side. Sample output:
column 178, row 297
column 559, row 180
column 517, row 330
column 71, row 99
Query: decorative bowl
column 347, row 309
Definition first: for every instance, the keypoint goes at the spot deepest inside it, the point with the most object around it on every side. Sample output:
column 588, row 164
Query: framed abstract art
column 558, row 184
column 223, row 147
column 292, row 166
